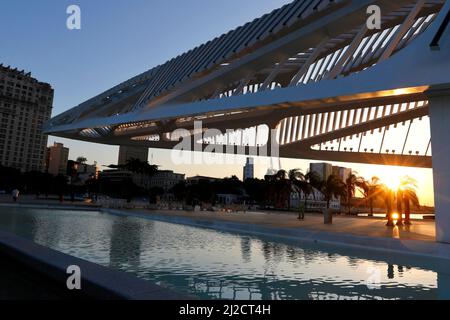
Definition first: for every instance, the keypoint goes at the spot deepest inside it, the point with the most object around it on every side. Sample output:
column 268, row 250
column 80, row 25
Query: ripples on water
column 217, row 265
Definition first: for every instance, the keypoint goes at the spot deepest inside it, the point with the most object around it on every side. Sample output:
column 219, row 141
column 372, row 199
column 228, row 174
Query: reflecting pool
column 212, row 264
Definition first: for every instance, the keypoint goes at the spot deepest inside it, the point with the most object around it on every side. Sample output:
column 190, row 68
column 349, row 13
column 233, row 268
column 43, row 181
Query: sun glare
column 392, row 183
column 392, row 177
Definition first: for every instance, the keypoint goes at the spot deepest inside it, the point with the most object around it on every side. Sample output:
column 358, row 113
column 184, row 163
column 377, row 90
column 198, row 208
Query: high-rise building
column 249, row 169
column 127, row 153
column 57, row 158
column 342, row 173
column 323, row 170
column 25, row 105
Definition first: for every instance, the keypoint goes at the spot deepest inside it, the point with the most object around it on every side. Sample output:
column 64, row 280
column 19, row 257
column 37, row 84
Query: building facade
column 25, row 105
column 81, row 172
column 127, row 153
column 249, row 169
column 166, row 180
column 342, row 173
column 323, row 170
column 197, row 179
column 57, row 159
column 315, row 202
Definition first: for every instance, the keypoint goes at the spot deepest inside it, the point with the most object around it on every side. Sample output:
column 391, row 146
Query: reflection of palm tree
column 408, row 186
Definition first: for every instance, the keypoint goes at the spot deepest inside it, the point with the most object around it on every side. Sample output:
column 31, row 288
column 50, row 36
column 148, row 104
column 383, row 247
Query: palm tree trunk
column 371, row 207
column 327, row 218
column 400, row 208
column 349, row 205
column 390, row 222
column 407, row 211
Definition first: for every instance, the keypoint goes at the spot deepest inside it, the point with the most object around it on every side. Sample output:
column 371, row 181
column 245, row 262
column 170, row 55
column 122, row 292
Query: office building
column 127, row 153
column 57, row 158
column 323, row 170
column 342, row 173
column 249, row 169
column 25, row 105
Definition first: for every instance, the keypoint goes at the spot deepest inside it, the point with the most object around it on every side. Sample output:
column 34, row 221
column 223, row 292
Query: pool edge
column 415, row 248
column 97, row 282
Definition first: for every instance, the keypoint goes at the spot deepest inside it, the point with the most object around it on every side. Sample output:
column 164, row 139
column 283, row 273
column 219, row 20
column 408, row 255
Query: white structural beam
column 273, row 74
column 348, row 53
column 440, row 130
column 313, row 57
column 401, row 32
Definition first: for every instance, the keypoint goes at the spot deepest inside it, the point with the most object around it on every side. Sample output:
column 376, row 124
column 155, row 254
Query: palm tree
column 305, row 183
column 399, row 198
column 311, row 182
column 82, row 160
column 352, row 183
column 388, row 196
column 331, row 188
column 297, row 180
column 409, row 193
column 372, row 190
column 279, row 189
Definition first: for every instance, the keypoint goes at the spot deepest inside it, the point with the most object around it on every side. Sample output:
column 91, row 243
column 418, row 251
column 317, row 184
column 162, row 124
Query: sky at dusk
column 122, row 38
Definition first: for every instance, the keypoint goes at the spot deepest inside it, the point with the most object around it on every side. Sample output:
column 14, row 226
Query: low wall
column 97, row 282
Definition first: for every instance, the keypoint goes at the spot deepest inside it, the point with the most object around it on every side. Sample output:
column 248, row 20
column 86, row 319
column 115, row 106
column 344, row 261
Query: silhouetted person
column 15, row 195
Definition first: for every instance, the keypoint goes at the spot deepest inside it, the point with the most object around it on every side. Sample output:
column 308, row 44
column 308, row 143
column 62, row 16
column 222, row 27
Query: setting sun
column 392, row 180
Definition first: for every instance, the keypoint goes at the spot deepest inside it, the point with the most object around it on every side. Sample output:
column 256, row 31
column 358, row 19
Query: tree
column 409, row 193
column 82, row 160
column 372, row 190
column 137, row 166
column 333, row 187
column 296, row 178
column 279, row 189
column 352, row 183
column 255, row 189
column 306, row 183
column 388, row 196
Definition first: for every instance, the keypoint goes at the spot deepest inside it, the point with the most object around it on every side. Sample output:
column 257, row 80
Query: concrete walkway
column 371, row 227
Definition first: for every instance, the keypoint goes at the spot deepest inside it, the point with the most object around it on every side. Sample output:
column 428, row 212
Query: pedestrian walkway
column 372, row 227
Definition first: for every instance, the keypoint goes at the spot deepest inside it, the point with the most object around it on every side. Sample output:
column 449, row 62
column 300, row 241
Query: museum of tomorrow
column 314, row 72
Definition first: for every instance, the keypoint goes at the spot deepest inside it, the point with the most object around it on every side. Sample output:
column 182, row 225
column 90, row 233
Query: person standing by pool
column 15, row 195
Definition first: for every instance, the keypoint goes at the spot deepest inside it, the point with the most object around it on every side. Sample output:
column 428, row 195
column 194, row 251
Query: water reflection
column 125, row 251
column 246, row 249
column 219, row 265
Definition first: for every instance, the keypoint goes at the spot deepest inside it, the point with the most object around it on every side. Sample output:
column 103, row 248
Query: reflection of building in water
column 246, row 249
column 390, row 272
column 125, row 247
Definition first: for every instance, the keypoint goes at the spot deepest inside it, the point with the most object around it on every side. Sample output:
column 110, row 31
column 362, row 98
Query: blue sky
column 120, row 39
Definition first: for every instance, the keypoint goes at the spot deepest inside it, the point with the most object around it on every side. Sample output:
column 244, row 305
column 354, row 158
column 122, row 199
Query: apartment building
column 25, row 105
